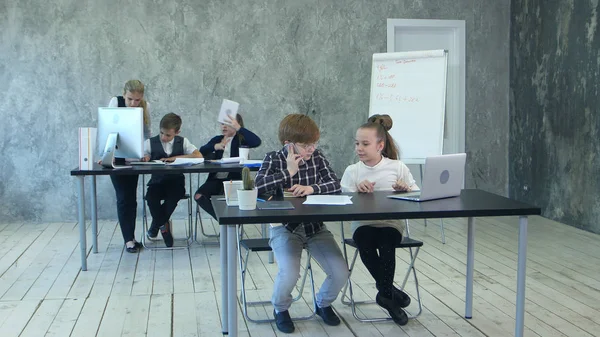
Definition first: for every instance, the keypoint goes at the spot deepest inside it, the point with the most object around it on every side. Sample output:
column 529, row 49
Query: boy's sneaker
column 165, row 231
column 284, row 321
column 401, row 297
column 152, row 235
column 328, row 316
column 397, row 314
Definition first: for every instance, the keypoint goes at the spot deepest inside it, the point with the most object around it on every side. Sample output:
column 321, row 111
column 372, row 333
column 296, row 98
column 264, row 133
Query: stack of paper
column 328, row 200
column 186, row 161
column 226, row 160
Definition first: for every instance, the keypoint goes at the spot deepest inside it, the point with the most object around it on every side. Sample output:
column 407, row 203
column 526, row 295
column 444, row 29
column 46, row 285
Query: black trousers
column 126, row 192
column 210, row 187
column 162, row 198
column 376, row 248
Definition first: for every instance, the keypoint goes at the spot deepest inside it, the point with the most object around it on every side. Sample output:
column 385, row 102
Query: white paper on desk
column 186, row 161
column 228, row 109
column 328, row 200
column 226, row 160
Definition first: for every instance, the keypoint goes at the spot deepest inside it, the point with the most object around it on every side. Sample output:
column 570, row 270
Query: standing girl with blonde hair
column 126, row 185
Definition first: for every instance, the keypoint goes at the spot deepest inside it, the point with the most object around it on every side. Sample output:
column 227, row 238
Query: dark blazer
column 249, row 140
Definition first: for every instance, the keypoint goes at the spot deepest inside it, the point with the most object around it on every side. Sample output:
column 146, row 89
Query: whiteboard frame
column 455, row 85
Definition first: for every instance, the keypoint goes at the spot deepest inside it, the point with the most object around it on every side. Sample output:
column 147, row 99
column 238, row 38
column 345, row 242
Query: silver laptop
column 443, row 178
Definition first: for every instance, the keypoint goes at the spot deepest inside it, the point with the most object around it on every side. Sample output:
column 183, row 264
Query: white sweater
column 384, row 175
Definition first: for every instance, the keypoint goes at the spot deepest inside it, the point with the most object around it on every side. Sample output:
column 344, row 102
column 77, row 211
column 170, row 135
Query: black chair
column 178, row 243
column 347, row 297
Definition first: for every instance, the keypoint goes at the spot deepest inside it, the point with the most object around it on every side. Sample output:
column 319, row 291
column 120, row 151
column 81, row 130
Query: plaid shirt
column 316, row 173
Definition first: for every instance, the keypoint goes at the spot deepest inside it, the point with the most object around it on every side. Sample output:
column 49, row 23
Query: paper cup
column 244, row 153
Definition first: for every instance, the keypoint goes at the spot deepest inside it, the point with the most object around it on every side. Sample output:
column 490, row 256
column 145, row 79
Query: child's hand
column 222, row 145
column 168, row 160
column 301, row 190
column 366, row 186
column 146, row 158
column 401, row 186
column 233, row 123
column 292, row 161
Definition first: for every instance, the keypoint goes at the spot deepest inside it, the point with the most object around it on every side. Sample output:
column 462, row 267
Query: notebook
column 275, row 205
column 443, row 178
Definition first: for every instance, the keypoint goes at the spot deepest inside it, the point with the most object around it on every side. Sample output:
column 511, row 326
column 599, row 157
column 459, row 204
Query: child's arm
column 250, row 139
column 327, row 181
column 405, row 182
column 189, row 150
column 209, row 147
column 348, row 179
column 273, row 173
column 146, row 150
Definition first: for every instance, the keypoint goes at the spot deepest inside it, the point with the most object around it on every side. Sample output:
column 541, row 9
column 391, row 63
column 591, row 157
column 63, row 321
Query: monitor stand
column 108, row 156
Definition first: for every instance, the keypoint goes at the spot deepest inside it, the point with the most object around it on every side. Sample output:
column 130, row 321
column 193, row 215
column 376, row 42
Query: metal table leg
column 521, row 275
column 94, row 207
column 470, row 262
column 81, row 220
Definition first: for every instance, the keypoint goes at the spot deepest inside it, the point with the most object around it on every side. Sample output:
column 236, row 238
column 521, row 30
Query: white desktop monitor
column 128, row 123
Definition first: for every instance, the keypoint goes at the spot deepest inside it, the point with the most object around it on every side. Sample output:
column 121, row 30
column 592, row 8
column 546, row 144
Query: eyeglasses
column 307, row 147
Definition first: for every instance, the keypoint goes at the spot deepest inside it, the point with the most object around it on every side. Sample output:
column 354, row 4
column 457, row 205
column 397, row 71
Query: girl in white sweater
column 379, row 170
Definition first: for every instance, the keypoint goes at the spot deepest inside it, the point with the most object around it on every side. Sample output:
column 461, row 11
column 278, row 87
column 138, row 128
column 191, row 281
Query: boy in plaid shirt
column 302, row 169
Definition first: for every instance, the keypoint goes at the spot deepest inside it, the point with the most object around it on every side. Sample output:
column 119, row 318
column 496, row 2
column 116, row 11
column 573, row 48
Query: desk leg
column 470, row 262
column 232, row 279
column 94, row 217
column 521, row 274
column 81, row 220
column 224, row 297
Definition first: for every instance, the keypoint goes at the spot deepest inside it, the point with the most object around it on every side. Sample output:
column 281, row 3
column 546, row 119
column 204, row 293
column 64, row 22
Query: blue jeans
column 287, row 247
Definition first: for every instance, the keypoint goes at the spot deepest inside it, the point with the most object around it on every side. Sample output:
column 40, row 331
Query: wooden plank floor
column 177, row 293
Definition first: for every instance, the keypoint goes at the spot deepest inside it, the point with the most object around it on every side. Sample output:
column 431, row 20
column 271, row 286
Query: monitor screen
column 129, row 124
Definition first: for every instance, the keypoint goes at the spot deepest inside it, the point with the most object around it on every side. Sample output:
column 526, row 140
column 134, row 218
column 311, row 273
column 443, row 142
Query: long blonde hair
column 138, row 87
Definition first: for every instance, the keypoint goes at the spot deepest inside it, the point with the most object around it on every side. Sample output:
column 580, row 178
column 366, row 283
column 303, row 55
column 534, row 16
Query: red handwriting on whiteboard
column 384, row 77
column 381, row 67
column 405, row 61
column 396, row 98
column 386, row 85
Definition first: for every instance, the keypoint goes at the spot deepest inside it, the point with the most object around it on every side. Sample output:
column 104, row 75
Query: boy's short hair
column 298, row 128
column 171, row 121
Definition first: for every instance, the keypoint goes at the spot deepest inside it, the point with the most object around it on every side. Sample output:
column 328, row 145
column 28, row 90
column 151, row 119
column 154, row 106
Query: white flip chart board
column 411, row 88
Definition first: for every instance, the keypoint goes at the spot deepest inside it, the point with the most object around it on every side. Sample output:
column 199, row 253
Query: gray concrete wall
column 61, row 59
column 554, row 114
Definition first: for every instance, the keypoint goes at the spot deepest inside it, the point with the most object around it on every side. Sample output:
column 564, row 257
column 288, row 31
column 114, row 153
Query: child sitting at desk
column 300, row 167
column 226, row 145
column 166, row 146
column 379, row 170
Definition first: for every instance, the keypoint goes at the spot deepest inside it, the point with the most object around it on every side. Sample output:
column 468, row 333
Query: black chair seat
column 406, row 243
column 256, row 245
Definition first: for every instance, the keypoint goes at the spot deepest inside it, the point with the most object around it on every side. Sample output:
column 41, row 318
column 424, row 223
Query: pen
column 259, row 199
column 271, row 197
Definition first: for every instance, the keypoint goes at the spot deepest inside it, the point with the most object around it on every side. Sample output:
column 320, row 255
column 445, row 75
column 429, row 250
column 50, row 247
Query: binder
column 87, row 147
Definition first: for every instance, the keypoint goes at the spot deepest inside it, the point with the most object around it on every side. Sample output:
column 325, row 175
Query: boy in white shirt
column 379, row 170
column 166, row 146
